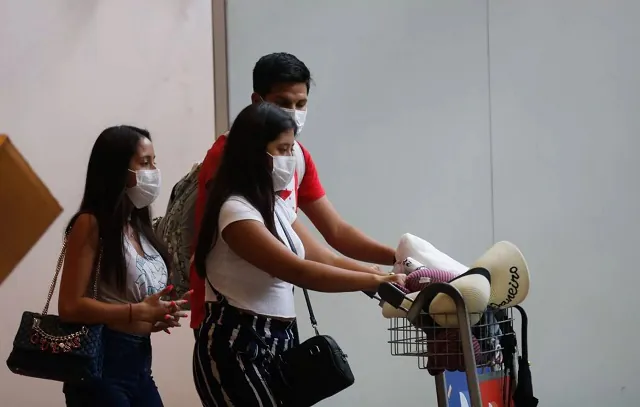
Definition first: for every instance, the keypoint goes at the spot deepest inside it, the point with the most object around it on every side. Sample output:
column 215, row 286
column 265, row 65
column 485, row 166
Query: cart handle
column 371, row 294
column 390, row 294
column 420, row 307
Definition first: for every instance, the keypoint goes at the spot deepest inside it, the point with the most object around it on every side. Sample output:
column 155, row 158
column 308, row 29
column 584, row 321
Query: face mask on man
column 300, row 116
column 147, row 188
column 284, row 167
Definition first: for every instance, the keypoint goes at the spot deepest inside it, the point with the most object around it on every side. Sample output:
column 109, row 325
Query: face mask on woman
column 147, row 188
column 284, row 167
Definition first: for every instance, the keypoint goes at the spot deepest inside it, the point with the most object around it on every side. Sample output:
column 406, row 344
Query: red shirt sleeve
column 207, row 172
column 310, row 189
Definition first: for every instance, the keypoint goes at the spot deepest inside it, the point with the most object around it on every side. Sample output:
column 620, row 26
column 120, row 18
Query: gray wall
column 566, row 134
column 466, row 122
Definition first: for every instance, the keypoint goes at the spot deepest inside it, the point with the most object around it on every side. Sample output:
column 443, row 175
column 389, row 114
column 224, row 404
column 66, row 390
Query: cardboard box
column 27, row 208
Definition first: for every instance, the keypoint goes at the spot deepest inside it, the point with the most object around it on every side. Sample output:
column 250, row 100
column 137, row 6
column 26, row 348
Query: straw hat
column 509, row 274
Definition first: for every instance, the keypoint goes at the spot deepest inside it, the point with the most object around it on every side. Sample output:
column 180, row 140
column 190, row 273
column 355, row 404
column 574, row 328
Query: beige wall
column 69, row 68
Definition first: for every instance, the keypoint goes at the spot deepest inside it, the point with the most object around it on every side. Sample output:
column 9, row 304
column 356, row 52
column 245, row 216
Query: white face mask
column 300, row 116
column 284, row 167
column 147, row 188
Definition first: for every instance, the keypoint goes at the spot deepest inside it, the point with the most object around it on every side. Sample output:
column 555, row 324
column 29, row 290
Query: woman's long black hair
column 105, row 198
column 245, row 170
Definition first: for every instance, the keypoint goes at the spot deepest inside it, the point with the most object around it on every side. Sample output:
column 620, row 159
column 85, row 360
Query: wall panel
column 398, row 126
column 565, row 97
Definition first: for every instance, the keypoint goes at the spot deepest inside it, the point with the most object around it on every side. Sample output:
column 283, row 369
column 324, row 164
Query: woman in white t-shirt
column 250, row 267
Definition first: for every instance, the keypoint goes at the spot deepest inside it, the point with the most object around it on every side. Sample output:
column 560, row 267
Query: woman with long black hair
column 250, row 267
column 114, row 225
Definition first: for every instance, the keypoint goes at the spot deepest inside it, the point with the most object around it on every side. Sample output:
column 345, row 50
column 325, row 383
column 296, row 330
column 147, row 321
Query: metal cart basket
column 462, row 346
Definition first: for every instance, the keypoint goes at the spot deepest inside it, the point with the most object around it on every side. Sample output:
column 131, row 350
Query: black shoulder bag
column 315, row 369
column 47, row 348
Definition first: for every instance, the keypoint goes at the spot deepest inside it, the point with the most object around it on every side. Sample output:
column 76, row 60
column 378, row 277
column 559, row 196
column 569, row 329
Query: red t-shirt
column 310, row 190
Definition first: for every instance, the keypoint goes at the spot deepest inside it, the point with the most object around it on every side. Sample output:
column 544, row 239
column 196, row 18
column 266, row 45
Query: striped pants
column 231, row 367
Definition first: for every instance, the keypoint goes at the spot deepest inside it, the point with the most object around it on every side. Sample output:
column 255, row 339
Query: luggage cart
column 464, row 347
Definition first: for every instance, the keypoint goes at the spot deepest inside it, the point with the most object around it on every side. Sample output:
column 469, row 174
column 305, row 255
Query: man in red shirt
column 284, row 80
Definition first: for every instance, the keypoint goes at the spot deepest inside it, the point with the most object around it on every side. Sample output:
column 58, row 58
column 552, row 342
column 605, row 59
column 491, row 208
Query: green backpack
column 177, row 227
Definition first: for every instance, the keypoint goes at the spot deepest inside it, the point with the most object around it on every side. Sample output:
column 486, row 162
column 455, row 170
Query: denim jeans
column 126, row 378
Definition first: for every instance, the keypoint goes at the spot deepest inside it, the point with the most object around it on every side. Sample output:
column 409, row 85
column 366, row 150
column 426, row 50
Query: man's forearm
column 350, row 264
column 343, row 237
column 354, row 244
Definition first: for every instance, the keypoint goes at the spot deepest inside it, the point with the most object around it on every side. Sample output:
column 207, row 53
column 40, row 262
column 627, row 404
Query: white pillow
column 406, row 266
column 425, row 253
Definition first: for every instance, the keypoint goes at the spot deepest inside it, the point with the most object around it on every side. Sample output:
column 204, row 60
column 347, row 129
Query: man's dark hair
column 277, row 68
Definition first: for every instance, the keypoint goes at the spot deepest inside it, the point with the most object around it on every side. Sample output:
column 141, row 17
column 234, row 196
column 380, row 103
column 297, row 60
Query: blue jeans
column 126, row 377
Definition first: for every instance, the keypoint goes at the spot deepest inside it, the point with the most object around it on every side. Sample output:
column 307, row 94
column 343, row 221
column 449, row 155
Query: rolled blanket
column 423, row 276
column 389, row 311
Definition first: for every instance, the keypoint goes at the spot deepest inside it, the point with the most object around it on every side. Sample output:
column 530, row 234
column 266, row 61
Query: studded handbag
column 47, row 348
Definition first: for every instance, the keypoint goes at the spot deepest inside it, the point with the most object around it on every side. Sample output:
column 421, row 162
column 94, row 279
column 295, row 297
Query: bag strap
column 312, row 316
column 63, row 251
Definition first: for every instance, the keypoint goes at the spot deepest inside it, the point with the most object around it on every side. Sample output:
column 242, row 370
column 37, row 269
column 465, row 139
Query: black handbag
column 47, row 348
column 313, row 370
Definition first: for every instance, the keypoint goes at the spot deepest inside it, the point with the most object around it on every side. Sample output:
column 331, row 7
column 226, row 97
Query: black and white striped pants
column 230, row 365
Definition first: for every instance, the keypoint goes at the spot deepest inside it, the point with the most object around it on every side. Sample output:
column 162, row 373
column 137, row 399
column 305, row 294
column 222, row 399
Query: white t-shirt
column 245, row 286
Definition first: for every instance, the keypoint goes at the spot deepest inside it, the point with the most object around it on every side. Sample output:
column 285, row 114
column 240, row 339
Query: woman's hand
column 393, row 278
column 377, row 270
column 153, row 309
column 164, row 326
column 176, row 312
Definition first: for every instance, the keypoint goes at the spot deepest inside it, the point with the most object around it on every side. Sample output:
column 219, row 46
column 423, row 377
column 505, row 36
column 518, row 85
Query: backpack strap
column 300, row 163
